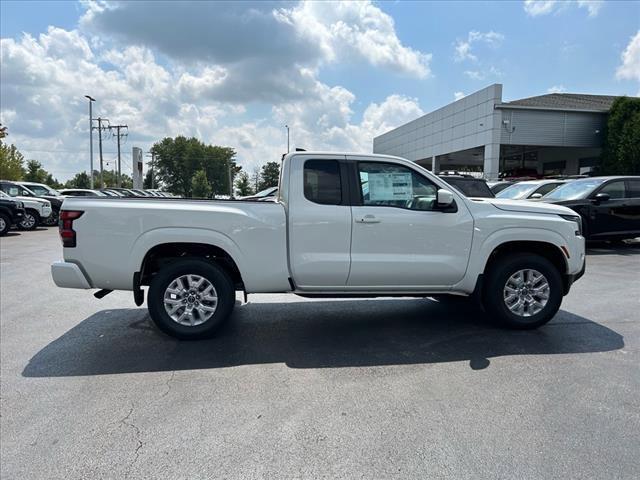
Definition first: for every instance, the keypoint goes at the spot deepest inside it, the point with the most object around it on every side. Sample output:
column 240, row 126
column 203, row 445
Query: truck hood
column 529, row 207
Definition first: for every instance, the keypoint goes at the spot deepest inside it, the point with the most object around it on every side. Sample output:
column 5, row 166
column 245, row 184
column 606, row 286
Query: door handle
column 367, row 219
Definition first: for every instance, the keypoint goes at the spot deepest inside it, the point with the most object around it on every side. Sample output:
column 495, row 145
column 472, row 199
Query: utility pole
column 100, row 129
column 118, row 137
column 230, row 179
column 91, row 100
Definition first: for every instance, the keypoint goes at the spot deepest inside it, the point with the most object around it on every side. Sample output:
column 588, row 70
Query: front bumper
column 68, row 275
column 46, row 211
column 571, row 279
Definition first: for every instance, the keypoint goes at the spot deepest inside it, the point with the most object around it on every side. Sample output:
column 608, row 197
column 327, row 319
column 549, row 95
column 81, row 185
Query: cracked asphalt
column 295, row 388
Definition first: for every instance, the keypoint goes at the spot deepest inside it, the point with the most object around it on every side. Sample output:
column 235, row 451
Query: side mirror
column 535, row 196
column 602, row 197
column 444, row 198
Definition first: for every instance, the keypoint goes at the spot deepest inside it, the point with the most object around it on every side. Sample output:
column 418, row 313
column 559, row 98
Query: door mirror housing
column 444, row 198
column 536, row 196
column 602, row 197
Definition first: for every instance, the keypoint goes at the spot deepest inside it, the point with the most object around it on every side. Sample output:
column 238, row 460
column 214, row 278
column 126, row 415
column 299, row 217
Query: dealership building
column 558, row 133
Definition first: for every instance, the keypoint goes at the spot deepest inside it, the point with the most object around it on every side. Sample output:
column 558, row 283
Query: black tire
column 51, row 220
column 5, row 224
column 493, row 291
column 221, row 282
column 30, row 220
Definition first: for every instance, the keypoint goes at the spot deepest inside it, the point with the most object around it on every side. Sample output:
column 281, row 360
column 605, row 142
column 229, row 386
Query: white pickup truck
column 342, row 225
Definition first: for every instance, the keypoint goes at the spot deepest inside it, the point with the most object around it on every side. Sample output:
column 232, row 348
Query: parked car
column 497, row 187
column 468, row 185
column 11, row 213
column 110, row 193
column 262, row 194
column 126, row 192
column 41, row 190
column 82, row 192
column 530, row 189
column 35, row 209
column 609, row 206
column 408, row 233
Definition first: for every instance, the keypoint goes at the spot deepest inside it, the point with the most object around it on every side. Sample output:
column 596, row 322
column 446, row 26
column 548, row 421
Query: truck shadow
column 315, row 334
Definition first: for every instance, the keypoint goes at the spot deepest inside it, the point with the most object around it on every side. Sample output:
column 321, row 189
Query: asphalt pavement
column 297, row 388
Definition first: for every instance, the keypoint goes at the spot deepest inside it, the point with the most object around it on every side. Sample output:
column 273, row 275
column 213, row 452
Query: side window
column 322, row 182
column 614, row 189
column 633, row 189
column 389, row 185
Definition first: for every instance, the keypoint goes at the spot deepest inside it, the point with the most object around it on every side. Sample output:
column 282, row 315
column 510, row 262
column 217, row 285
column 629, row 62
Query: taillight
column 65, row 225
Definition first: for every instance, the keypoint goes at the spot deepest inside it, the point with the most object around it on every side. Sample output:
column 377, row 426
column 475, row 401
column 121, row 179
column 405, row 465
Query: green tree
column 178, row 159
column 35, row 172
column 11, row 162
column 80, row 180
column 243, row 185
column 269, row 175
column 149, row 181
column 200, row 186
column 621, row 152
column 110, row 179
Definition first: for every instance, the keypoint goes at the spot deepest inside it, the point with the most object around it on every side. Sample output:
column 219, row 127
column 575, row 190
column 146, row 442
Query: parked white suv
column 36, row 209
column 342, row 225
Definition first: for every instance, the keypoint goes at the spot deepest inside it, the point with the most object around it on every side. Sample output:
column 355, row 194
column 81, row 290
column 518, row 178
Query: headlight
column 577, row 219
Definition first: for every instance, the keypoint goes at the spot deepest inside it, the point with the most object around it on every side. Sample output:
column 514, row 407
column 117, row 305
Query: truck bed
column 115, row 234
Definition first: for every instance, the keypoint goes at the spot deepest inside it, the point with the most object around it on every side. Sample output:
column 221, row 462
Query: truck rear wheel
column 190, row 299
column 522, row 291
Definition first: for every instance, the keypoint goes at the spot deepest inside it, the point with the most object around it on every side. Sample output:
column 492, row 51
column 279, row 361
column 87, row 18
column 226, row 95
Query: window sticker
column 390, row 186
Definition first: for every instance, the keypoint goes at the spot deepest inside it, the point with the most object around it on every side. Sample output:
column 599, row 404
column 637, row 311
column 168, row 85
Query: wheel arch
column 164, row 253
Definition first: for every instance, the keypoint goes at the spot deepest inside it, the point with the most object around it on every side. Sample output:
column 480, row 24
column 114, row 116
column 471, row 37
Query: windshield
column 574, row 190
column 43, row 190
column 517, row 191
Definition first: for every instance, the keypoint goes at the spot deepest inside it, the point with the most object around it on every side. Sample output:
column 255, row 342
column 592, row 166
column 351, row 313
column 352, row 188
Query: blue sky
column 339, row 74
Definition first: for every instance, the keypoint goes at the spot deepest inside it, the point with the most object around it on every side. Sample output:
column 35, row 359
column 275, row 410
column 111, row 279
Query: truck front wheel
column 522, row 291
column 190, row 299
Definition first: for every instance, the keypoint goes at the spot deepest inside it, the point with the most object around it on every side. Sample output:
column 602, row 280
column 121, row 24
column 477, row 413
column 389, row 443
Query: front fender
column 484, row 246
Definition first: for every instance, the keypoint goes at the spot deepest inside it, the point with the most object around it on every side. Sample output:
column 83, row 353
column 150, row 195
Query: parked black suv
column 609, row 206
column 11, row 213
column 469, row 186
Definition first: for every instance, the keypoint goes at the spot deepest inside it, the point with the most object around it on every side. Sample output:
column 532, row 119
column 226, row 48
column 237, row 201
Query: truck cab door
column 401, row 239
column 319, row 222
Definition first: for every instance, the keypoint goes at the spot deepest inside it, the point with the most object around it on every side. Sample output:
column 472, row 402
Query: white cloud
column 483, row 74
column 630, row 68
column 264, row 48
column 535, row 8
column 557, row 89
column 458, row 95
column 45, row 78
column 346, row 29
column 462, row 48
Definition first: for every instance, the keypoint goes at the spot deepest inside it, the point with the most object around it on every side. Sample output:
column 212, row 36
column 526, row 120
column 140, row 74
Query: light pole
column 287, row 127
column 91, row 100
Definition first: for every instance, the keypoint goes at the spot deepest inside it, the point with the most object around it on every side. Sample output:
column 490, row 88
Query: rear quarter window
column 322, row 182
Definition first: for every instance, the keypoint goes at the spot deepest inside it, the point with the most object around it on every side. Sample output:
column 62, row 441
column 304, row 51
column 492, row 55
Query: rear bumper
column 68, row 275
